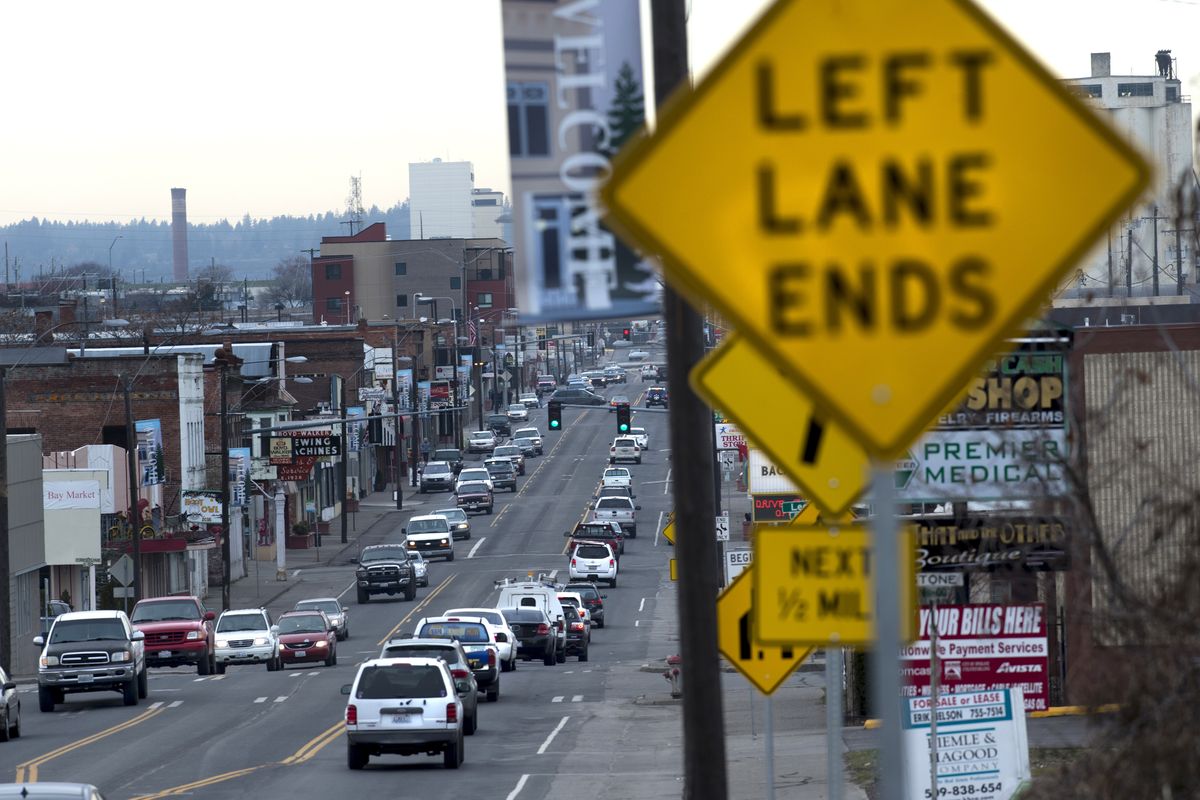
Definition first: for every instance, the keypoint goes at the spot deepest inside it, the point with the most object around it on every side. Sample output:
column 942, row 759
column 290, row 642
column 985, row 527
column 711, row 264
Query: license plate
column 301, row 653
column 164, row 654
column 405, row 719
column 86, row 678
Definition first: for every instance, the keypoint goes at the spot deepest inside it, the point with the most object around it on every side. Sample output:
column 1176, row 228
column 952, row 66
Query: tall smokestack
column 179, row 255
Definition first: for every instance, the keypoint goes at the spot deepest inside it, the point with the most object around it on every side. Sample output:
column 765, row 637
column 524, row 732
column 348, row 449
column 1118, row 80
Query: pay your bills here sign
column 982, row 647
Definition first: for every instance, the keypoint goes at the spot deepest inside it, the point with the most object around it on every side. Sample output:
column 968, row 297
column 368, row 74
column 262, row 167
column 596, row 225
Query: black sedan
column 536, row 637
column 577, row 635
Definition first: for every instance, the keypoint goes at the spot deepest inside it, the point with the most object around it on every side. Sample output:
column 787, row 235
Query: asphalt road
column 268, row 734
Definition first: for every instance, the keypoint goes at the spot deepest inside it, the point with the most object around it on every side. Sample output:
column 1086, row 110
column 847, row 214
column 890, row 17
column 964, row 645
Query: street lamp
column 110, row 247
column 346, row 294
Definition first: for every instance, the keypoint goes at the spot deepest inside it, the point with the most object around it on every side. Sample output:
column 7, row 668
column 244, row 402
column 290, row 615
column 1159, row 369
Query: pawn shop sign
column 876, row 193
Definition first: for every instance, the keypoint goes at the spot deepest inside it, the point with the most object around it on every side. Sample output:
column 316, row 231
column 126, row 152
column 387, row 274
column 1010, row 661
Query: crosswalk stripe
column 260, row 699
column 558, row 699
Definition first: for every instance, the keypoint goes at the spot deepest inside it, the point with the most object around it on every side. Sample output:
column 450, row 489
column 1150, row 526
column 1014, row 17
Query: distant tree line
column 250, row 248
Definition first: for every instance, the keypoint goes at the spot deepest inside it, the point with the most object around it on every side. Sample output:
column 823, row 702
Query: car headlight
column 319, row 645
column 261, row 640
column 120, row 656
column 193, row 635
column 48, row 661
column 336, row 620
column 222, row 643
column 445, row 541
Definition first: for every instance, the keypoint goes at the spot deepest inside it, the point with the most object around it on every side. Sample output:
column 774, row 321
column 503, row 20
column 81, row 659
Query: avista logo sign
column 1018, row 669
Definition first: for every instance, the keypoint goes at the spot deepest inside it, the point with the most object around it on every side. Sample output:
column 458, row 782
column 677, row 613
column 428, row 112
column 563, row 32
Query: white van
column 532, row 594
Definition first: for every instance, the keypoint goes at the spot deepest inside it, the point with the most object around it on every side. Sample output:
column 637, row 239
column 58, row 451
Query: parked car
column 475, row 496
column 478, row 643
column 178, row 631
column 10, row 709
column 481, row 442
column 436, row 476
column 455, row 657
column 246, row 636
column 306, row 637
column 430, row 534
column 385, row 569
column 338, row 614
column 405, row 706
column 451, row 455
column 536, row 637
column 91, row 651
column 460, row 523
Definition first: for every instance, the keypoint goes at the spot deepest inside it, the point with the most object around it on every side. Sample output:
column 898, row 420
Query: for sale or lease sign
column 982, row 647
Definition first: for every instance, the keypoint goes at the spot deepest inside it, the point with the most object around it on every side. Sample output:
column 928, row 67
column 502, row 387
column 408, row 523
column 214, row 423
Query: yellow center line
column 418, row 607
column 27, row 772
column 314, row 744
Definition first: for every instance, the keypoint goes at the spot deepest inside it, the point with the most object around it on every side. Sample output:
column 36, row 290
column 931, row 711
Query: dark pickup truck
column 385, row 569
column 91, row 651
column 451, row 456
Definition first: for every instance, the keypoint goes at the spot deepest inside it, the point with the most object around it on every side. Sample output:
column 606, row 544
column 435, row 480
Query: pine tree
column 626, row 115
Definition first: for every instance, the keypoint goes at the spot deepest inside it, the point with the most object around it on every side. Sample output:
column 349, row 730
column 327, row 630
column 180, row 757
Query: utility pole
column 132, row 476
column 226, row 545
column 704, row 769
column 397, row 423
column 345, row 461
column 1129, row 263
column 1155, row 218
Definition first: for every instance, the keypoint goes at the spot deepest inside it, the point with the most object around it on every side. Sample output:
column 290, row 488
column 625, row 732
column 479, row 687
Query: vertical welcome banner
column 150, row 451
column 575, row 95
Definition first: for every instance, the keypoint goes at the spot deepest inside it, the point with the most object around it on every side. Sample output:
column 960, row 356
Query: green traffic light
column 553, row 423
column 624, row 427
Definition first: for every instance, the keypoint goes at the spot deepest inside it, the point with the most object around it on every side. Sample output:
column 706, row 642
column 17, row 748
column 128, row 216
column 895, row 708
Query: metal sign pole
column 885, row 674
column 769, row 724
column 833, row 723
column 934, row 675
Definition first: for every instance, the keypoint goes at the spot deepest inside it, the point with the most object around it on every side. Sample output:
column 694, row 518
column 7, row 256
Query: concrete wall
column 26, row 548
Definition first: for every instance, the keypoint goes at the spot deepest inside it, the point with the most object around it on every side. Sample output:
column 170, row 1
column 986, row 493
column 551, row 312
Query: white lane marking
column 349, row 586
column 558, row 699
column 175, row 704
column 296, row 674
column 517, row 789
column 642, row 605
column 260, row 699
column 546, row 744
column 217, row 678
column 577, row 698
column 280, row 699
column 586, row 671
column 658, row 528
column 667, row 482
column 295, row 573
column 637, row 623
column 476, row 547
column 156, row 705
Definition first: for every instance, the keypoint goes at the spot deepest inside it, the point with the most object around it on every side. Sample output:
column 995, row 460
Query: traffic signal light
column 555, row 412
column 623, row 419
column 625, row 333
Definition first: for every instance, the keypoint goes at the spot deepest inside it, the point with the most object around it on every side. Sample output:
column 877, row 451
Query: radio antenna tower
column 354, row 204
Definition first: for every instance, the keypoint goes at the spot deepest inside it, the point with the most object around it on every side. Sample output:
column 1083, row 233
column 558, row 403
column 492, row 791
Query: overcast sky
column 268, row 108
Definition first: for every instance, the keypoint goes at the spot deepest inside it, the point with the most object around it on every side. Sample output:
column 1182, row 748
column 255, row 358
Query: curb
column 1053, row 711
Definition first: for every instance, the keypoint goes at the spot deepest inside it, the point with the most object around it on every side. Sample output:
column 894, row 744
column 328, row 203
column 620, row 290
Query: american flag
column 472, row 331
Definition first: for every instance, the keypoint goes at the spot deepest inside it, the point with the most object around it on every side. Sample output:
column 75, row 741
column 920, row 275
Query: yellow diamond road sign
column 875, row 192
column 816, row 453
column 765, row 666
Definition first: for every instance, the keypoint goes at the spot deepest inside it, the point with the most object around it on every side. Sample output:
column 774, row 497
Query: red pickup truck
column 178, row 630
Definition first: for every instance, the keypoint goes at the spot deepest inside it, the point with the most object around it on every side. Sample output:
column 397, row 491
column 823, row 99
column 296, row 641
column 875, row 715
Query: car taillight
column 572, row 562
column 543, row 629
column 576, row 626
column 491, row 658
column 460, row 673
column 351, row 715
column 451, row 712
column 611, row 562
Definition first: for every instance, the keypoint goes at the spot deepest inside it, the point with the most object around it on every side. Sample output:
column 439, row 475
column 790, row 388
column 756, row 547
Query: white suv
column 593, row 561
column 405, row 706
column 624, row 448
column 246, row 636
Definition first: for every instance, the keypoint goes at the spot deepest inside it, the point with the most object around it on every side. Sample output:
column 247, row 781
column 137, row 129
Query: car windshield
column 452, row 514
column 437, row 469
column 621, row 503
column 302, row 623
column 159, row 611
column 523, row 615
column 473, row 474
column 497, row 419
column 436, row 525
column 445, row 653
column 591, row 551
column 480, row 435
column 473, row 487
column 499, row 467
column 523, row 443
column 400, row 682
column 516, row 407
column 385, row 553
column 87, row 630
column 230, row 623
column 459, row 631
column 331, row 607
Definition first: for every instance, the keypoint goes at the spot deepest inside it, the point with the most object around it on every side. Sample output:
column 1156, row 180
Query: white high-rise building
column 487, row 205
column 439, row 198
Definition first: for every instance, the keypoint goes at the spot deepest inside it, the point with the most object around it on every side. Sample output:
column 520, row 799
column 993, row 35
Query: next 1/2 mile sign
column 861, row 186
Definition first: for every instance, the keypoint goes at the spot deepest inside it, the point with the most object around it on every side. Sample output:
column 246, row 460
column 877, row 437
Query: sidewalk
column 376, row 518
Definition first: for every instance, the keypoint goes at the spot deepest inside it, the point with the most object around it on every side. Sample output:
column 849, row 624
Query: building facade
column 440, row 199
